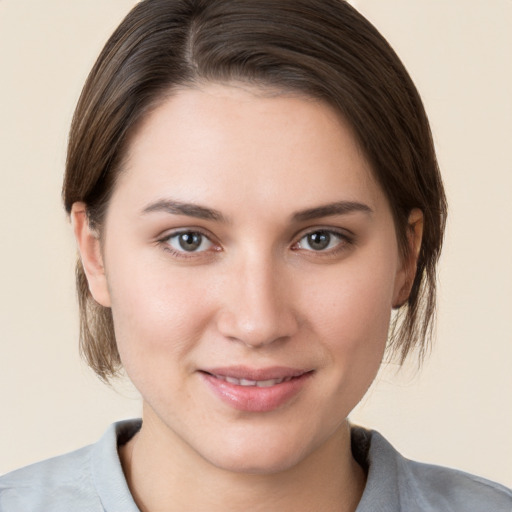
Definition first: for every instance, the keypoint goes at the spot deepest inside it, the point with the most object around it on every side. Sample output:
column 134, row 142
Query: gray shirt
column 91, row 480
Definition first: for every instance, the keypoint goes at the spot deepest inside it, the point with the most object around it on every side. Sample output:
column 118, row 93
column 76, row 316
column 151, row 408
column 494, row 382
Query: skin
column 257, row 292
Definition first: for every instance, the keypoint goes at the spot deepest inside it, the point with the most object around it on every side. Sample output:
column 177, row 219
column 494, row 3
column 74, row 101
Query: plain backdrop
column 456, row 411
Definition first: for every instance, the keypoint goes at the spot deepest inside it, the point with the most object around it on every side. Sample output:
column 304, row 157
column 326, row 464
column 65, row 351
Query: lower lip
column 254, row 398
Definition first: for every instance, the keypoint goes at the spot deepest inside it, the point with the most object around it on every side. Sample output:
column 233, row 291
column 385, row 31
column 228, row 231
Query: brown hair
column 321, row 48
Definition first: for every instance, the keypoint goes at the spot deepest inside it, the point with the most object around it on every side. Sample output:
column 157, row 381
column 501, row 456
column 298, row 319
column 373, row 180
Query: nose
column 258, row 307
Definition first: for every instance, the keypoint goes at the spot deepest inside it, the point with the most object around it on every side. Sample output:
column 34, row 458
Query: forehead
column 251, row 146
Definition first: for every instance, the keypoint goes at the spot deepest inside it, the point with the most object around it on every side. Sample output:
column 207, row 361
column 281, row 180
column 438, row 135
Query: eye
column 321, row 240
column 189, row 241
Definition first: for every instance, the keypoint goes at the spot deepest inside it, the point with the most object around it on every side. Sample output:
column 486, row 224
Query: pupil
column 190, row 241
column 319, row 240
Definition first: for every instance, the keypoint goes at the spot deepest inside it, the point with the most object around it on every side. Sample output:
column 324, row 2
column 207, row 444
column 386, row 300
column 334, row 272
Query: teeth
column 246, row 382
column 268, row 383
column 258, row 383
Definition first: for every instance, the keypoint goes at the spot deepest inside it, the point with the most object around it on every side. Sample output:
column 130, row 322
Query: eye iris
column 319, row 240
column 190, row 241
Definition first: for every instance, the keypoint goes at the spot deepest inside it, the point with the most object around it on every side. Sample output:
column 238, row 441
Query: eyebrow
column 338, row 208
column 201, row 212
column 188, row 209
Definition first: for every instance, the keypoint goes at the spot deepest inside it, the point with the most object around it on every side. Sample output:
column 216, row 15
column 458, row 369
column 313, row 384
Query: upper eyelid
column 169, row 233
column 165, row 243
column 164, row 240
column 342, row 232
column 346, row 239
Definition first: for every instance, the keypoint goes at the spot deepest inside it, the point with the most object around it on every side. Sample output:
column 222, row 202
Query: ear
column 90, row 253
column 407, row 272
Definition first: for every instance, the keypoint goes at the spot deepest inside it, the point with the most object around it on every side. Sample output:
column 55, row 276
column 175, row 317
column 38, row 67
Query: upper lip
column 256, row 374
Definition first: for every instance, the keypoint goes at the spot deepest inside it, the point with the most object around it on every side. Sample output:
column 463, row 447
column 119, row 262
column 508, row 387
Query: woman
column 253, row 189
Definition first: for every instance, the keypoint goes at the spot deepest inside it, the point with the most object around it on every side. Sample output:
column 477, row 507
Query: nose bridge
column 257, row 311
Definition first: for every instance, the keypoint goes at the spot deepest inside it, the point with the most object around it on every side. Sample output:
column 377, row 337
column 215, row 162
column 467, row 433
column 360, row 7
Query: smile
column 259, row 383
column 256, row 390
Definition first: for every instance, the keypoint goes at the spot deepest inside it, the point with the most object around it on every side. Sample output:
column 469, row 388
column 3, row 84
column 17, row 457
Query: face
column 251, row 264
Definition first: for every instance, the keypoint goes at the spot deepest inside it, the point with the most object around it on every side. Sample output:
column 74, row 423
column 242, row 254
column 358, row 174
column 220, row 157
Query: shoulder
column 82, row 480
column 56, row 484
column 401, row 484
column 442, row 487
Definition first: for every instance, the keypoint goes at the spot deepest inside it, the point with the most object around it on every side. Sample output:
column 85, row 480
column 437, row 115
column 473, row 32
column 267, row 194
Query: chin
column 259, row 454
column 257, row 463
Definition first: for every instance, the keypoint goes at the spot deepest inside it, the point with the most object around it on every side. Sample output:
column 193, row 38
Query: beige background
column 456, row 412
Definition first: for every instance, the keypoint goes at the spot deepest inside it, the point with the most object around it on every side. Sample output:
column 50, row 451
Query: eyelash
column 345, row 241
column 165, row 242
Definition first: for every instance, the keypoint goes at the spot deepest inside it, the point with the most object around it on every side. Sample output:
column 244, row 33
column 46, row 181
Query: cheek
column 352, row 316
column 156, row 313
column 358, row 333
column 355, row 301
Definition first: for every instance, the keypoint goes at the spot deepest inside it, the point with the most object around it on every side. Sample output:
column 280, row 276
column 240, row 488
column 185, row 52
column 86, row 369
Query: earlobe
column 89, row 248
column 407, row 272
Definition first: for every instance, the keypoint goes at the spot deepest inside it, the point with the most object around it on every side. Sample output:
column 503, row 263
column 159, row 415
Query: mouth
column 250, row 383
column 256, row 390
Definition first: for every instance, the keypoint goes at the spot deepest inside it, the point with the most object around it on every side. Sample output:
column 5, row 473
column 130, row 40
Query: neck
column 167, row 475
